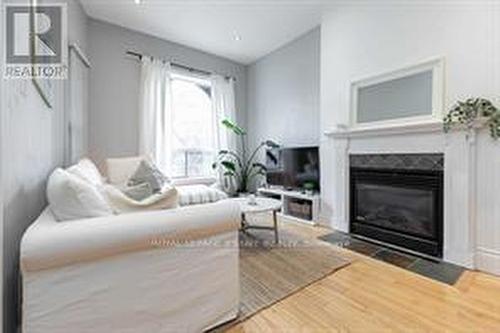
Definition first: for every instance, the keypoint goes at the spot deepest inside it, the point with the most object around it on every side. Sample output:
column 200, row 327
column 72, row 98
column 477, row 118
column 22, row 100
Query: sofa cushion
column 119, row 170
column 199, row 194
column 87, row 170
column 148, row 173
column 71, row 197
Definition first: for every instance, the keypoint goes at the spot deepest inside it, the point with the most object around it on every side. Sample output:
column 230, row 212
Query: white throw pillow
column 87, row 170
column 72, row 198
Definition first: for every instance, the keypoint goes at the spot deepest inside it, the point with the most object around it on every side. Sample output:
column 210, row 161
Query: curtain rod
column 180, row 66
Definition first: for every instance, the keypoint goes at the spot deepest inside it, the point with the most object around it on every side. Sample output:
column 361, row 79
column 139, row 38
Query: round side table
column 261, row 205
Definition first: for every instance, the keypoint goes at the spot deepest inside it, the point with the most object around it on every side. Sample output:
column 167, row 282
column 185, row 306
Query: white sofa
column 126, row 273
column 159, row 271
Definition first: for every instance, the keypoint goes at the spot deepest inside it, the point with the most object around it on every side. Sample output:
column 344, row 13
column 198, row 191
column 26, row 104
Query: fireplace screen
column 401, row 209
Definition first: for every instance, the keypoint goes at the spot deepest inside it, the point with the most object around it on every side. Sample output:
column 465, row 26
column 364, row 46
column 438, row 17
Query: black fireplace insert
column 402, row 207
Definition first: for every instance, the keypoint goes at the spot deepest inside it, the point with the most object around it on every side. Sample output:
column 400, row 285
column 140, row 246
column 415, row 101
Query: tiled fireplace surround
column 460, row 176
column 389, row 192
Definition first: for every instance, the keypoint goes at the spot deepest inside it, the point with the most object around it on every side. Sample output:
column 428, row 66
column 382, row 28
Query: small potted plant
column 474, row 112
column 309, row 188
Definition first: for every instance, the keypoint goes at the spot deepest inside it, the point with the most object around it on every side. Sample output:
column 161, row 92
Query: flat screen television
column 292, row 168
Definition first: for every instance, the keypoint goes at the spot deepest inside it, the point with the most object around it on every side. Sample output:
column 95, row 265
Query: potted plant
column 235, row 164
column 474, row 112
column 309, row 188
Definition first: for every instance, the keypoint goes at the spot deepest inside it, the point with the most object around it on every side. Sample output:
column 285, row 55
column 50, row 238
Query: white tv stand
column 308, row 204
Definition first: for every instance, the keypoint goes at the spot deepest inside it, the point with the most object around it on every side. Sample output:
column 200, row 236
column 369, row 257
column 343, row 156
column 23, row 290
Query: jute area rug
column 270, row 272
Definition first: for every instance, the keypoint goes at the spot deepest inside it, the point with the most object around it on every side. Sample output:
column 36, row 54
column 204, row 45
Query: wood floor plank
column 373, row 296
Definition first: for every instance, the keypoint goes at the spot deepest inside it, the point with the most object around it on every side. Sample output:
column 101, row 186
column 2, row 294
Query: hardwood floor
column 372, row 296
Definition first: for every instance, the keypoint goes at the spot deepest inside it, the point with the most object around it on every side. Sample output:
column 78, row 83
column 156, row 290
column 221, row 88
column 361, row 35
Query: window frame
column 204, row 83
column 434, row 65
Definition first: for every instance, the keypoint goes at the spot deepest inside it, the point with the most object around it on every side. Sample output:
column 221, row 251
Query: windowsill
column 194, row 181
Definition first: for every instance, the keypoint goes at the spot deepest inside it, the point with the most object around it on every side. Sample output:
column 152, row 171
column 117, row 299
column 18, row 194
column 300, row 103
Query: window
column 193, row 139
column 410, row 94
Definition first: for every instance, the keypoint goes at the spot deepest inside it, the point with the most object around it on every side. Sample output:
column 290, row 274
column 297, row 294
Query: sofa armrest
column 52, row 244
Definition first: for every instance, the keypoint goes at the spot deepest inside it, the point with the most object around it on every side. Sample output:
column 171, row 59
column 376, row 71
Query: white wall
column 33, row 147
column 283, row 94
column 488, row 237
column 2, row 141
column 114, row 89
column 363, row 40
column 360, row 41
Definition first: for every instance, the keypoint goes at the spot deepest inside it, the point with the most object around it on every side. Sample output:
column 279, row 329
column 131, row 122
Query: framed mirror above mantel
column 410, row 95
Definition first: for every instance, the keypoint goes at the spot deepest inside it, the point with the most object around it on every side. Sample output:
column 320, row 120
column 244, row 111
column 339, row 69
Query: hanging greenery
column 472, row 110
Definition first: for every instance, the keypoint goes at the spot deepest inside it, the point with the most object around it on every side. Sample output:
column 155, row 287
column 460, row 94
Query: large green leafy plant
column 468, row 112
column 236, row 165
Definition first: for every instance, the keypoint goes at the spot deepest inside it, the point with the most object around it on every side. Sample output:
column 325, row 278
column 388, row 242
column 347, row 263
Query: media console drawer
column 296, row 205
column 299, row 208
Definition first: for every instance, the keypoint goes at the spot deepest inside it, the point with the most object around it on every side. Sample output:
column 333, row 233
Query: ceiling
column 243, row 31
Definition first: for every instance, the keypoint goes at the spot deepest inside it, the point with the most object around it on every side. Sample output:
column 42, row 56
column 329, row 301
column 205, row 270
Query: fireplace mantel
column 459, row 149
column 425, row 126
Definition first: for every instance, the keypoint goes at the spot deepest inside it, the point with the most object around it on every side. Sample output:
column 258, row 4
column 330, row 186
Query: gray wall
column 283, row 93
column 114, row 88
column 32, row 146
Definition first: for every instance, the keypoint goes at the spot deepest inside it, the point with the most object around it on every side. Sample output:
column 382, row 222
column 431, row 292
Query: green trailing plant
column 236, row 165
column 465, row 113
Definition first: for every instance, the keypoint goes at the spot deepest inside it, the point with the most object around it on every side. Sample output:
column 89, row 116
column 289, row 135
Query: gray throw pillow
column 139, row 192
column 148, row 173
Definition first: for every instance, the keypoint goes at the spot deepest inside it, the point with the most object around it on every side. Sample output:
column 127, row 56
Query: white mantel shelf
column 429, row 126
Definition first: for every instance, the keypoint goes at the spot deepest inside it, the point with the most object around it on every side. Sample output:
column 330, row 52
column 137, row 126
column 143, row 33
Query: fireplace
column 398, row 199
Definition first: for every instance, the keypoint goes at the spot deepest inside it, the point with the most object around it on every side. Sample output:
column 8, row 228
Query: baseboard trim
column 464, row 259
column 488, row 260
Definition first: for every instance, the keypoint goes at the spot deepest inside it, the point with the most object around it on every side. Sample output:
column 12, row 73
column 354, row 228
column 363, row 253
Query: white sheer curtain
column 155, row 107
column 224, row 106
